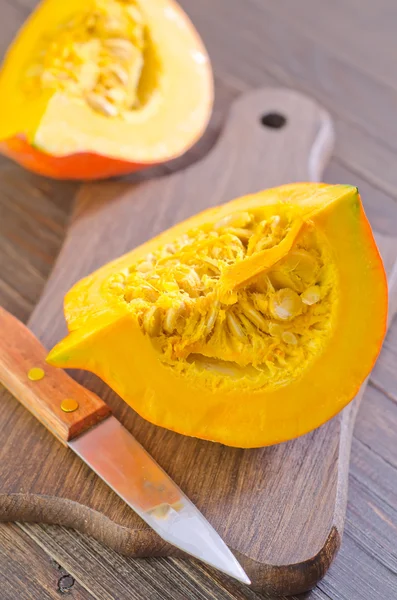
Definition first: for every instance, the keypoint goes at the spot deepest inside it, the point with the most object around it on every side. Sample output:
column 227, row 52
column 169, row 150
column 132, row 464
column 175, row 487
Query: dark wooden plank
column 366, row 566
column 110, row 575
column 376, row 425
column 351, row 29
column 365, row 156
column 12, row 17
column 26, row 571
column 104, row 572
column 25, row 6
column 367, row 561
column 369, row 514
column 358, row 575
column 377, row 475
column 384, row 377
column 33, row 217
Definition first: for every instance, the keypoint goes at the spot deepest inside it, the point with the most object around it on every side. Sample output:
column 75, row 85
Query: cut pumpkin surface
column 103, row 87
column 249, row 324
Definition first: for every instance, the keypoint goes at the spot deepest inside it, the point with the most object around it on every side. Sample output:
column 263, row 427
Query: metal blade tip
column 188, row 530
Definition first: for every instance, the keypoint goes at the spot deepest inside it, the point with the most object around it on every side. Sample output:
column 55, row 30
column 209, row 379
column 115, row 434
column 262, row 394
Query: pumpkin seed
column 254, row 316
column 116, row 95
column 152, row 321
column 144, row 267
column 129, row 296
column 117, row 286
column 289, row 338
column 171, row 318
column 149, row 293
column 234, row 220
column 261, row 302
column 101, row 105
column 217, row 252
column 285, row 304
column 275, row 330
column 274, row 222
column 120, row 47
column 234, row 326
column 170, row 248
column 264, row 243
column 113, row 25
column 118, row 72
column 297, row 271
column 88, row 76
column 190, row 283
column 311, row 296
column 242, row 234
column 134, row 14
column 211, row 318
column 170, row 286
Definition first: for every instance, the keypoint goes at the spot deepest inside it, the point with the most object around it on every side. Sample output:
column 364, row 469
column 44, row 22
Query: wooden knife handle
column 50, row 397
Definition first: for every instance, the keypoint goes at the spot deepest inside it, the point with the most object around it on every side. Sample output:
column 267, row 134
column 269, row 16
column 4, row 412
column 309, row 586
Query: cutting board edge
column 287, row 579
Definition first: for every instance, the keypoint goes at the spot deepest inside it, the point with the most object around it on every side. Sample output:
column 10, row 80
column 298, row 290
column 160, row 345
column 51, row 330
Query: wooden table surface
column 343, row 53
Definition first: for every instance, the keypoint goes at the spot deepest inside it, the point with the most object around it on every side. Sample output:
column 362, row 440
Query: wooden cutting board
column 280, row 509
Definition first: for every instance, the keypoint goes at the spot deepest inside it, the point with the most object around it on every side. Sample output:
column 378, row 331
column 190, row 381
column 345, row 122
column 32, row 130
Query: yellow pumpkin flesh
column 249, row 324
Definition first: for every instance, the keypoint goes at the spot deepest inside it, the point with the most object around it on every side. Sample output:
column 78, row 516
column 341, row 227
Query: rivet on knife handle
column 20, row 353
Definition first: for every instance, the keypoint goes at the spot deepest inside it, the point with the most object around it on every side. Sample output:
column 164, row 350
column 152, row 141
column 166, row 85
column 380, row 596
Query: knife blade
column 79, row 419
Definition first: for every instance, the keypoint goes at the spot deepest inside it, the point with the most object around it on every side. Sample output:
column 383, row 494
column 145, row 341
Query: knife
column 79, row 419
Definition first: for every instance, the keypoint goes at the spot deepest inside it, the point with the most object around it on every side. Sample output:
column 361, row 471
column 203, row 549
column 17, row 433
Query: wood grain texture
column 20, row 352
column 274, row 50
column 251, row 485
column 24, row 567
column 33, row 216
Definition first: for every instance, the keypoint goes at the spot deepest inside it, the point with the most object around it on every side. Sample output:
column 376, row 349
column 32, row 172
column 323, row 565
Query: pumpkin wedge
column 249, row 324
column 103, row 87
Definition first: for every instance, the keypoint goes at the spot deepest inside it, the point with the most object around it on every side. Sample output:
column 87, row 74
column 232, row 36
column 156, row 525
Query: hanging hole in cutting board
column 273, row 120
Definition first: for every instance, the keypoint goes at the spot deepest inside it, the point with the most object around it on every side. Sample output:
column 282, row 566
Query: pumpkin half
column 103, row 87
column 249, row 324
